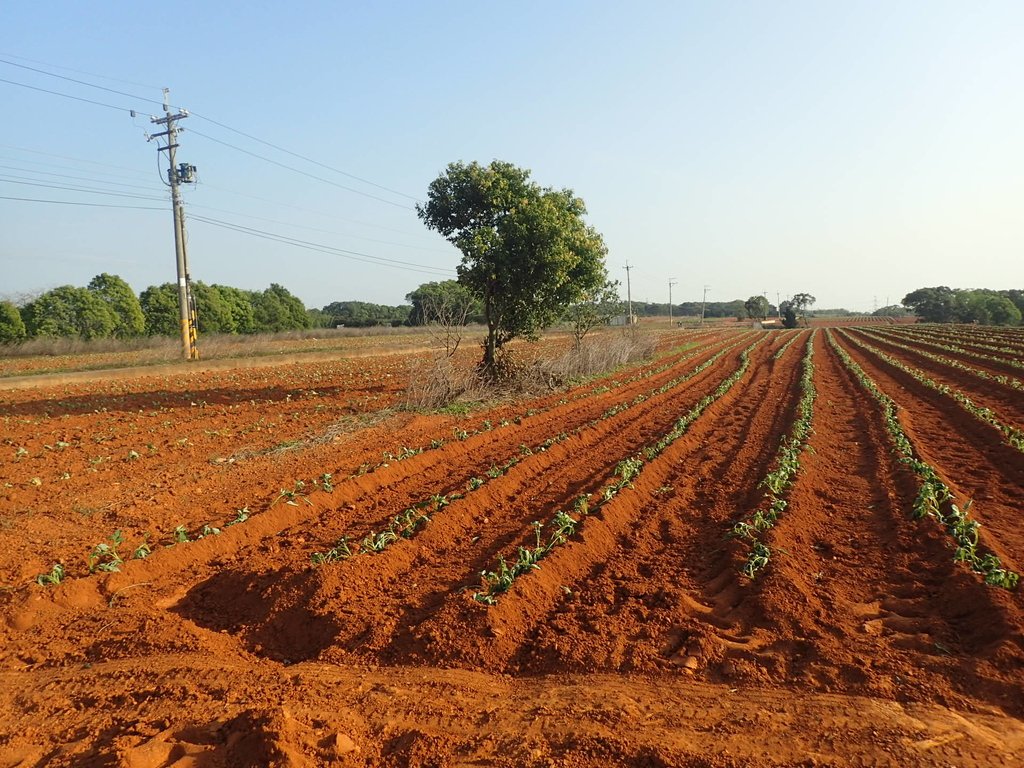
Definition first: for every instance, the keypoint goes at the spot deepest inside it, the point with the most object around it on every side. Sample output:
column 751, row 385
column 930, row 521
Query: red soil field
column 244, row 638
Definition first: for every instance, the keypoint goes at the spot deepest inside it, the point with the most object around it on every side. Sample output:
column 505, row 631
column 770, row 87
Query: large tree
column 276, row 309
column 526, row 251
column 933, row 305
column 240, row 304
column 70, row 311
column 160, row 308
column 119, row 296
column 12, row 327
column 757, row 307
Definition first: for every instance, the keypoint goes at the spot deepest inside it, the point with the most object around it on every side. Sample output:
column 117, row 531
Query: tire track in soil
column 1004, row 401
column 373, row 602
column 969, row 456
column 861, row 598
column 464, row 632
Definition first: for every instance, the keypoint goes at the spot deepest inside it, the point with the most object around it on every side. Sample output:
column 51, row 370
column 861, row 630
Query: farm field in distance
column 758, row 548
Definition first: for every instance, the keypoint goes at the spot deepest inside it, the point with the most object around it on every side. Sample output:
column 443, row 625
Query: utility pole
column 629, row 295
column 176, row 175
column 671, row 281
column 703, row 304
column 778, row 304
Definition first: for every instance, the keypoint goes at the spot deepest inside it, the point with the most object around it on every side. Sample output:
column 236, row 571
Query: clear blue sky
column 855, row 151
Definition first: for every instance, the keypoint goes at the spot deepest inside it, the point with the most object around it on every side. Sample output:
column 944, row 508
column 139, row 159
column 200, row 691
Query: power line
column 310, row 210
column 78, row 71
column 13, row 180
column 80, row 82
column 77, row 178
column 297, row 170
column 192, row 206
column 76, row 202
column 67, row 96
column 278, row 203
column 214, row 122
column 205, row 185
column 72, row 159
column 303, row 157
column 353, row 255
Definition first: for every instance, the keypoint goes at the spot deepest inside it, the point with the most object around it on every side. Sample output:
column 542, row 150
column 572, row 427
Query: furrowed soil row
column 994, row 366
column 983, row 336
column 969, row 343
column 1010, row 434
column 962, row 450
column 557, row 404
column 980, row 388
column 370, row 602
column 270, row 539
column 500, row 635
column 146, row 463
column 861, row 598
column 369, row 502
column 1008, row 385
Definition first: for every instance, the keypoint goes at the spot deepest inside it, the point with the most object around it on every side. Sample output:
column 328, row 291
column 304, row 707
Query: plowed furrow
column 968, row 454
column 1003, row 359
column 365, row 501
column 1004, row 400
column 500, row 635
column 493, row 520
column 956, row 354
column 671, row 569
column 853, row 577
column 385, row 591
column 369, row 503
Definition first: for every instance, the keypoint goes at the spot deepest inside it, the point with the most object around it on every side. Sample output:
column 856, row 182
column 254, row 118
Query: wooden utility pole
column 177, row 175
column 629, row 296
column 671, row 281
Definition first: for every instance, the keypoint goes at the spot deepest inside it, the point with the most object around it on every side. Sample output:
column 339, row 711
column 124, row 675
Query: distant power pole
column 672, row 281
column 704, row 303
column 176, row 175
column 778, row 304
column 629, row 295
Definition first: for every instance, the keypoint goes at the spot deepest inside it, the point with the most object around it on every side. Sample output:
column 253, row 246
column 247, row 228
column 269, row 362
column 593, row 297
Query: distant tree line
column 959, row 305
column 109, row 308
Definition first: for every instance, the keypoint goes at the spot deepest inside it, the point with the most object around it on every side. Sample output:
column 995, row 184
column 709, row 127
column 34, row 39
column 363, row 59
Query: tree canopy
column 942, row 304
column 124, row 304
column 363, row 314
column 757, row 307
column 526, row 251
column 69, row 311
column 445, row 301
column 12, row 327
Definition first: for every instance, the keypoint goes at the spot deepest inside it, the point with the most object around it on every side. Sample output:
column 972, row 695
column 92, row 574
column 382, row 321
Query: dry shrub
column 439, row 381
column 594, row 357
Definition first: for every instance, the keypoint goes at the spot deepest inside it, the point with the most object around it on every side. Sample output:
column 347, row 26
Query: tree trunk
column 487, row 369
